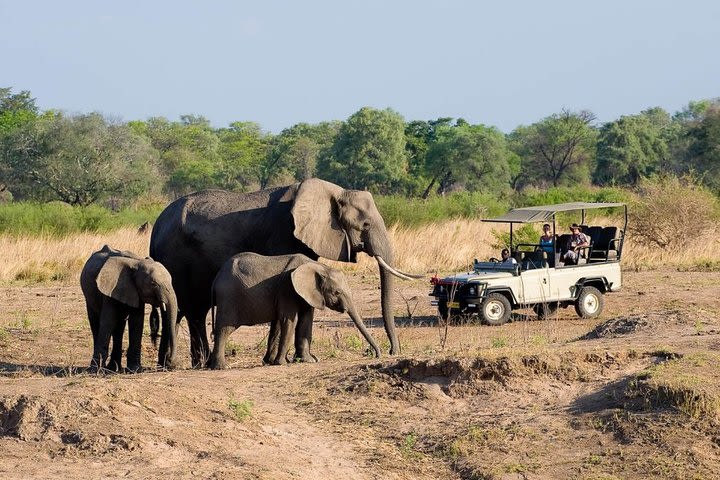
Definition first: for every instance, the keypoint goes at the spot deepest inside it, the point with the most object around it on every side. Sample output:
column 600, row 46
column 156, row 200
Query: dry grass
column 40, row 259
column 438, row 247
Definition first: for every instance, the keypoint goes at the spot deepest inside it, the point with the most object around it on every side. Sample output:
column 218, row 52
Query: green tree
column 472, row 157
column 16, row 110
column 79, row 160
column 632, row 148
column 556, row 150
column 296, row 151
column 369, row 152
column 188, row 150
column 419, row 136
column 704, row 150
column 243, row 150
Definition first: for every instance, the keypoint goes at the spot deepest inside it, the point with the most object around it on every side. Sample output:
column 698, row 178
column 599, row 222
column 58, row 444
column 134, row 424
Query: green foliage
column 59, row 219
column 368, row 153
column 241, row 409
column 632, row 148
column 557, row 150
column 79, row 160
column 522, row 234
column 294, row 153
column 473, row 157
column 416, row 211
column 580, row 193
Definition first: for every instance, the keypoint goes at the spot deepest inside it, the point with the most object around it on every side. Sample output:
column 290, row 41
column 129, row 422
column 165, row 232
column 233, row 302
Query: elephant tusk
column 404, row 276
column 347, row 244
column 163, row 306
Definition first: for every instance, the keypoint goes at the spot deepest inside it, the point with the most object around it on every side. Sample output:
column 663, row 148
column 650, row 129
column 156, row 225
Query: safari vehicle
column 538, row 280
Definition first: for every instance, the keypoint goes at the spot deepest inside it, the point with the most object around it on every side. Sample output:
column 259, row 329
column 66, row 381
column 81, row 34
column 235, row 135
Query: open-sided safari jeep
column 538, row 279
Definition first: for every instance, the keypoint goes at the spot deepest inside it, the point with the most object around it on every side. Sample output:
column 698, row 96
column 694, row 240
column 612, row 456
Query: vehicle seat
column 536, row 259
column 518, row 256
column 594, row 233
column 561, row 242
column 607, row 245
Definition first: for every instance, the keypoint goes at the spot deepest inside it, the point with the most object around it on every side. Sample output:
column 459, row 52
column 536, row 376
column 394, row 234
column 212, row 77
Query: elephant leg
column 110, row 315
column 199, row 346
column 115, row 363
column 287, row 329
column 273, row 344
column 94, row 319
column 135, row 330
column 217, row 358
column 303, row 336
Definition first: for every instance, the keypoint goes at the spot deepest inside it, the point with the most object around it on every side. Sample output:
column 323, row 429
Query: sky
column 279, row 63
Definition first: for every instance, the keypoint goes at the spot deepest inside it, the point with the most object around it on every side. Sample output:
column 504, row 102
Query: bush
column 673, row 212
column 414, row 212
column 60, row 219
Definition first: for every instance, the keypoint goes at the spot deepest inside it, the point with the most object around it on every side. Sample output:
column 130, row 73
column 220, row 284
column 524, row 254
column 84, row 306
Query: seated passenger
column 576, row 243
column 546, row 240
column 506, row 258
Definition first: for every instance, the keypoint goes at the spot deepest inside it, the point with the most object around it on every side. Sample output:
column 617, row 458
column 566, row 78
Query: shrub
column 672, row 212
column 416, row 211
column 60, row 219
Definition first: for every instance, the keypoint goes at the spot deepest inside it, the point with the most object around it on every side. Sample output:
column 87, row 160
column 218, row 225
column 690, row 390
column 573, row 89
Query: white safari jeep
column 539, row 278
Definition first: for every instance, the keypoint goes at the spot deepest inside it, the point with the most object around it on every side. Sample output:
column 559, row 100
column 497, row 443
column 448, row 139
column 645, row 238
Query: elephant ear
column 115, row 280
column 306, row 280
column 316, row 223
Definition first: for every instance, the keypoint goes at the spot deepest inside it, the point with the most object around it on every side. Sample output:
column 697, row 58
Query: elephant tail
column 154, row 325
column 212, row 310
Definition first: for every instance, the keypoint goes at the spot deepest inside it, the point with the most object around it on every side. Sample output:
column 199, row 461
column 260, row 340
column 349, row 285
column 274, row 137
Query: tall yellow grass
column 439, row 247
column 38, row 259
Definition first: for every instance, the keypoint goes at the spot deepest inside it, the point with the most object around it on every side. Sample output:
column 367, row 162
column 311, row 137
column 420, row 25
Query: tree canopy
column 86, row 158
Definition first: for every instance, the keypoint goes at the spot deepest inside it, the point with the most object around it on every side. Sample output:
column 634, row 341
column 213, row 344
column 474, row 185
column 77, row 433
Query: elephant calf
column 284, row 291
column 117, row 285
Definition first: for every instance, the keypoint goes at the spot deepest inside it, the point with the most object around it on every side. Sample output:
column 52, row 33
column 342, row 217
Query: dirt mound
column 59, row 421
column 626, row 325
column 461, row 377
column 27, row 418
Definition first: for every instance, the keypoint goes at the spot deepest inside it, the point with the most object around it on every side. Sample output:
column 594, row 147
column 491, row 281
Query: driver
column 506, row 258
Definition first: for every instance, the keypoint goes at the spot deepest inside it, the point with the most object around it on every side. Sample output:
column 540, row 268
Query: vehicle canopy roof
column 545, row 212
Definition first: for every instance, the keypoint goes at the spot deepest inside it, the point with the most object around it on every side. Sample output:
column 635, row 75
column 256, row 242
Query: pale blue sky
column 283, row 62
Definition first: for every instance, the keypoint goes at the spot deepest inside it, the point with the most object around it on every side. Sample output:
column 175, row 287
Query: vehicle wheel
column 545, row 310
column 589, row 303
column 495, row 309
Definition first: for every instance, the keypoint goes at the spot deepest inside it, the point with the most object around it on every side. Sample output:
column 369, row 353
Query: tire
column 495, row 309
column 545, row 310
column 589, row 303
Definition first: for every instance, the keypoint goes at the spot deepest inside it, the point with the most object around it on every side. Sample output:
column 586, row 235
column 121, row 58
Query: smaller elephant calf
column 117, row 285
column 284, row 291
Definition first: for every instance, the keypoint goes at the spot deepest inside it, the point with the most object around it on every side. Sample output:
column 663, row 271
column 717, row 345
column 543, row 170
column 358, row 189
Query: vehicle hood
column 475, row 277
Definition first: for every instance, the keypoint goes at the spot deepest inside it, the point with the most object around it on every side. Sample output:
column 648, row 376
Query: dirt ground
column 559, row 398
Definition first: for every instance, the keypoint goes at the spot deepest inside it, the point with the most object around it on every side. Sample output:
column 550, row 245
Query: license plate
column 453, row 304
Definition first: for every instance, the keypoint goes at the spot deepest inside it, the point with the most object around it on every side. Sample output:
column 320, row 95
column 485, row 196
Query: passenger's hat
column 574, row 226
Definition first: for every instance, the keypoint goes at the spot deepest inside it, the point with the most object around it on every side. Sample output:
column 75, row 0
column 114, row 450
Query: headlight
column 472, row 291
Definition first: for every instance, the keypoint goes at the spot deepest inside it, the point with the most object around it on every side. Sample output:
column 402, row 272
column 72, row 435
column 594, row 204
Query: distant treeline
column 89, row 159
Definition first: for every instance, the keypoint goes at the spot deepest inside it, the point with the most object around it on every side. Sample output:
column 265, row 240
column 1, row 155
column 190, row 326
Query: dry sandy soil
column 632, row 394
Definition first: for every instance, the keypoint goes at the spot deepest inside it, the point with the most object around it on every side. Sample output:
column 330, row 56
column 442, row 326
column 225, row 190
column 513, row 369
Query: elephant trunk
column 361, row 326
column 379, row 247
column 169, row 312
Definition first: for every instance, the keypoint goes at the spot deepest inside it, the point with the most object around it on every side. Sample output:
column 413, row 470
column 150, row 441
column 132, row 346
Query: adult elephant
column 197, row 233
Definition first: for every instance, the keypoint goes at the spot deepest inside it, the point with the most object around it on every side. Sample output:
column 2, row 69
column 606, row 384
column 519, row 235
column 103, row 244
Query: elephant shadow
column 12, row 369
column 375, row 322
column 60, row 371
